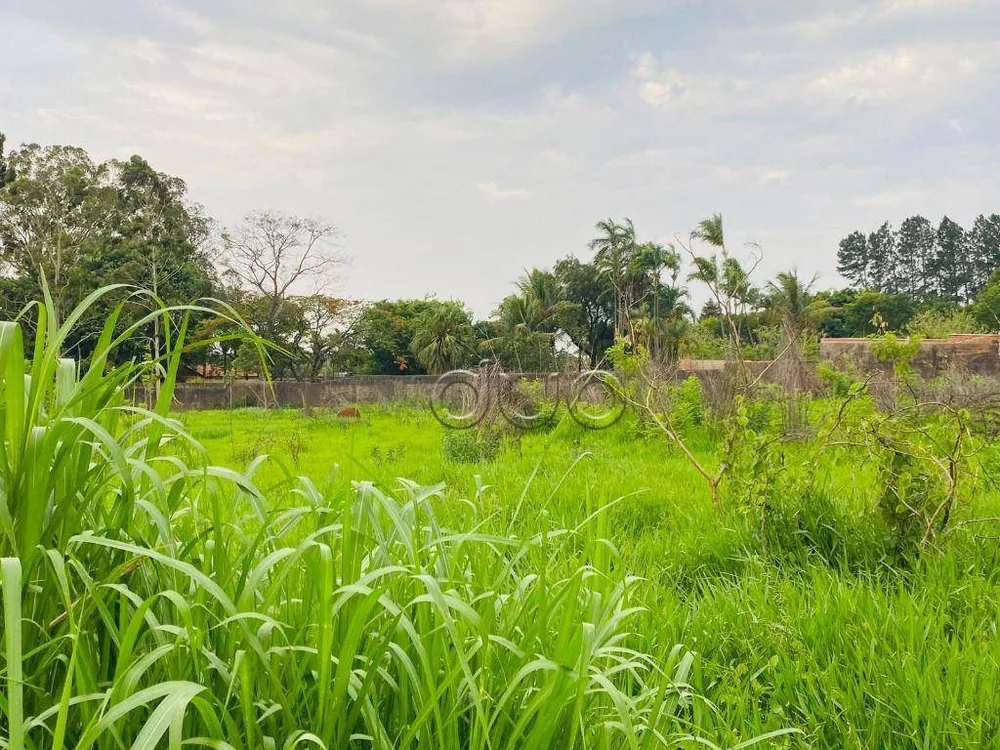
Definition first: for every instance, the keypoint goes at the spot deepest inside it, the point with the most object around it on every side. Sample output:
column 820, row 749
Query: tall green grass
column 807, row 622
column 151, row 599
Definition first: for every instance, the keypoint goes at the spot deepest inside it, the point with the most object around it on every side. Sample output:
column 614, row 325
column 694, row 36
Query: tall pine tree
column 984, row 251
column 882, row 260
column 853, row 259
column 915, row 249
column 949, row 265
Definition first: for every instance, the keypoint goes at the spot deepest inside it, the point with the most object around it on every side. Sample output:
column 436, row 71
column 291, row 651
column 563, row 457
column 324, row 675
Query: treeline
column 923, row 261
column 80, row 225
column 70, row 225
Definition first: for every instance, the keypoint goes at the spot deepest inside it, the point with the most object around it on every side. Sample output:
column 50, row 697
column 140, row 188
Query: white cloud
column 473, row 31
column 761, row 176
column 142, row 49
column 877, row 78
column 928, row 72
column 494, row 191
column 184, row 17
column 897, row 8
column 276, row 66
column 183, row 102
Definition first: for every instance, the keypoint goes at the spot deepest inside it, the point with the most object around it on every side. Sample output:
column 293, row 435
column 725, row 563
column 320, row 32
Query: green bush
column 836, row 382
column 472, row 446
column 687, row 408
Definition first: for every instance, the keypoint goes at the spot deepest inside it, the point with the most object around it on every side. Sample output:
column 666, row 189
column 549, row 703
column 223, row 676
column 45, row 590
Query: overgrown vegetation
column 150, row 597
column 812, row 598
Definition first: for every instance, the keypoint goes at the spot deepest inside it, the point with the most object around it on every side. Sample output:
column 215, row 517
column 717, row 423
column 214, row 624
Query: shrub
column 836, row 382
column 687, row 408
column 471, row 446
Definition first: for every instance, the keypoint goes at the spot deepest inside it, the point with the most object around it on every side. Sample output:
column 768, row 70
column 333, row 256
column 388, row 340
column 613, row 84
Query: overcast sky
column 457, row 142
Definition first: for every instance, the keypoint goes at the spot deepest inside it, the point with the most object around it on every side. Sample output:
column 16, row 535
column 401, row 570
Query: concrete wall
column 365, row 389
column 974, row 353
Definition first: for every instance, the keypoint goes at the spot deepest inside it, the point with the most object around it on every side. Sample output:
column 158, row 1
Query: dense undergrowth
column 153, row 599
column 164, row 585
column 810, row 614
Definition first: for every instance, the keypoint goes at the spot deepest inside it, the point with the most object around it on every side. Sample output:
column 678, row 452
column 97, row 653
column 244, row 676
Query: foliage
column 938, row 324
column 897, row 351
column 471, row 446
column 444, row 338
column 986, row 309
column 386, row 331
column 151, row 597
column 81, row 225
column 922, row 261
column 838, row 383
column 767, row 599
column 686, row 403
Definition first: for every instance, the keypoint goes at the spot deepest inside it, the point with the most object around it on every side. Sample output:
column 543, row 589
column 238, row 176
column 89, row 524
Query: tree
column 157, row 240
column 615, row 248
column 949, row 264
column 984, row 251
column 882, row 259
column 5, row 174
column 57, row 206
column 986, row 308
column 915, row 250
column 386, row 330
column 727, row 280
column 327, row 328
column 444, row 338
column 523, row 335
column 666, row 311
column 893, row 311
column 270, row 254
column 940, row 324
column 589, row 323
column 853, row 259
column 794, row 303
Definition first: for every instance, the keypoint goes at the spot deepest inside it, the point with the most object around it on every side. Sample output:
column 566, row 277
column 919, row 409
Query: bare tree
column 272, row 253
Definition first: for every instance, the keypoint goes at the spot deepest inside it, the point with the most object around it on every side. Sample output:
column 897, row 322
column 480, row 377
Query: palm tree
column 614, row 257
column 542, row 295
column 728, row 281
column 793, row 303
column 651, row 261
column 527, row 323
column 443, row 338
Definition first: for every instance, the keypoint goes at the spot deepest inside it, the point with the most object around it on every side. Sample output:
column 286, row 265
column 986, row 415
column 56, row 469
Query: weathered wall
column 341, row 392
column 977, row 354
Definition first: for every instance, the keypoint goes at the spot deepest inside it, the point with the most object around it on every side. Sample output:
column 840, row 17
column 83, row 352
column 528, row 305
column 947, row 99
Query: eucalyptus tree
column 56, row 204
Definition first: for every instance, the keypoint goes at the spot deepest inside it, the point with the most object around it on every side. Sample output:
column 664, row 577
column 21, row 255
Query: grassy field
column 267, row 579
column 803, row 624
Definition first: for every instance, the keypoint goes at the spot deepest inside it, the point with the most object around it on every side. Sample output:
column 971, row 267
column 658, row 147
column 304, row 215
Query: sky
column 456, row 143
